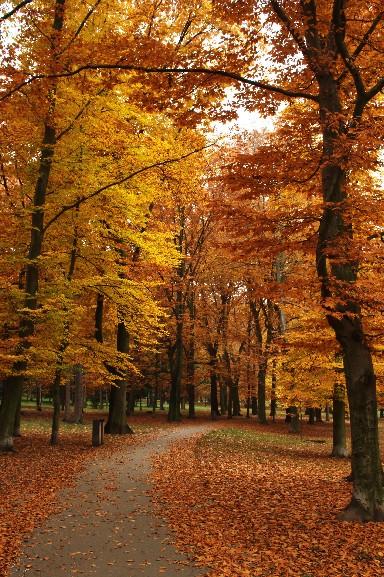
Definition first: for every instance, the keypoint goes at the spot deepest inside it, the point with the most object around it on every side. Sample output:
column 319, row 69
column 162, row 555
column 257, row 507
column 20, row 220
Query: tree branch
column 167, row 70
column 83, row 199
column 338, row 19
column 14, row 10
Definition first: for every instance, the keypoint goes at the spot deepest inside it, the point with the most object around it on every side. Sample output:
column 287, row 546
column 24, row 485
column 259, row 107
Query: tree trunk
column 339, row 434
column 56, row 401
column 39, row 398
column 230, row 400
column 176, row 366
column 27, row 326
column 261, row 409
column 12, row 391
column 214, row 400
column 311, row 415
column 117, row 416
column 273, row 392
column 16, row 428
column 318, row 417
column 254, row 405
column 337, row 270
column 367, row 502
column 223, row 397
column 236, row 410
column 79, row 394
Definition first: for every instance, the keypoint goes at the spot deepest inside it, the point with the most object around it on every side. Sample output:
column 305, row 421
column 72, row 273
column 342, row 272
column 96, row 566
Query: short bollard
column 97, row 432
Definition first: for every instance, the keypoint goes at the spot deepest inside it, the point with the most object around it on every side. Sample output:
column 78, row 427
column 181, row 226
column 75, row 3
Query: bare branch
column 14, row 10
column 81, row 26
column 166, row 70
column 338, row 19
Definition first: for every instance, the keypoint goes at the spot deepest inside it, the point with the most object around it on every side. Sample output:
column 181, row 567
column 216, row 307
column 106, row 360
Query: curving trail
column 107, row 528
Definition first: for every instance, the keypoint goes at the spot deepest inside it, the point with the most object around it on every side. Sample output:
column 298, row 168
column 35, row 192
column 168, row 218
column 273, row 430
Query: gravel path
column 108, row 528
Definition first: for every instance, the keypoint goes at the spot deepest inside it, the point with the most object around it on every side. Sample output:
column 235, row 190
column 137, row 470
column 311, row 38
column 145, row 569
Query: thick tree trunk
column 367, row 502
column 318, row 416
column 339, row 433
column 337, row 270
column 12, row 391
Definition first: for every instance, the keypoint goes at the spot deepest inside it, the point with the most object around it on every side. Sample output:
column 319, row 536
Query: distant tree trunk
column 327, row 417
column 318, row 416
column 230, row 400
column 16, row 430
column 223, row 397
column 67, row 401
column 117, row 416
column 56, row 401
column 273, row 392
column 214, row 400
column 254, row 405
column 294, row 423
column 162, row 399
column 236, row 410
column 339, row 433
column 12, row 390
column 79, row 394
column 311, row 415
column 176, row 366
column 39, row 398
column 261, row 406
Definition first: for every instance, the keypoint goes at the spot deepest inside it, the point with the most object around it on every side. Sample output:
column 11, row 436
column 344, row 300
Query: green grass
column 245, row 441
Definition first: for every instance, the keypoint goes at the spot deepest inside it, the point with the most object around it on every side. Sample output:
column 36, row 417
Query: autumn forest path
column 108, row 528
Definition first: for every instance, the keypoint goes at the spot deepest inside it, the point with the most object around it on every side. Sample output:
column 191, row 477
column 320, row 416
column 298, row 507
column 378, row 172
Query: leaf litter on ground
column 254, row 501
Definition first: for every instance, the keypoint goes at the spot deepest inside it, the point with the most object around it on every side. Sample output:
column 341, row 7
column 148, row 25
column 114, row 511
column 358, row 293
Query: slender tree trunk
column 177, row 365
column 254, row 405
column 273, row 392
column 214, row 400
column 339, row 433
column 318, row 416
column 261, row 405
column 79, row 394
column 311, row 414
column 39, row 398
column 230, row 400
column 56, row 401
column 223, row 397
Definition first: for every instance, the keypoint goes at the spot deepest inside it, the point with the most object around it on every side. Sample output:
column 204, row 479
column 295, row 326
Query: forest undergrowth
column 254, row 501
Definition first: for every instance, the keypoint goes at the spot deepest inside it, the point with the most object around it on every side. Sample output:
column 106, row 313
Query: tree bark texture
column 338, row 425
